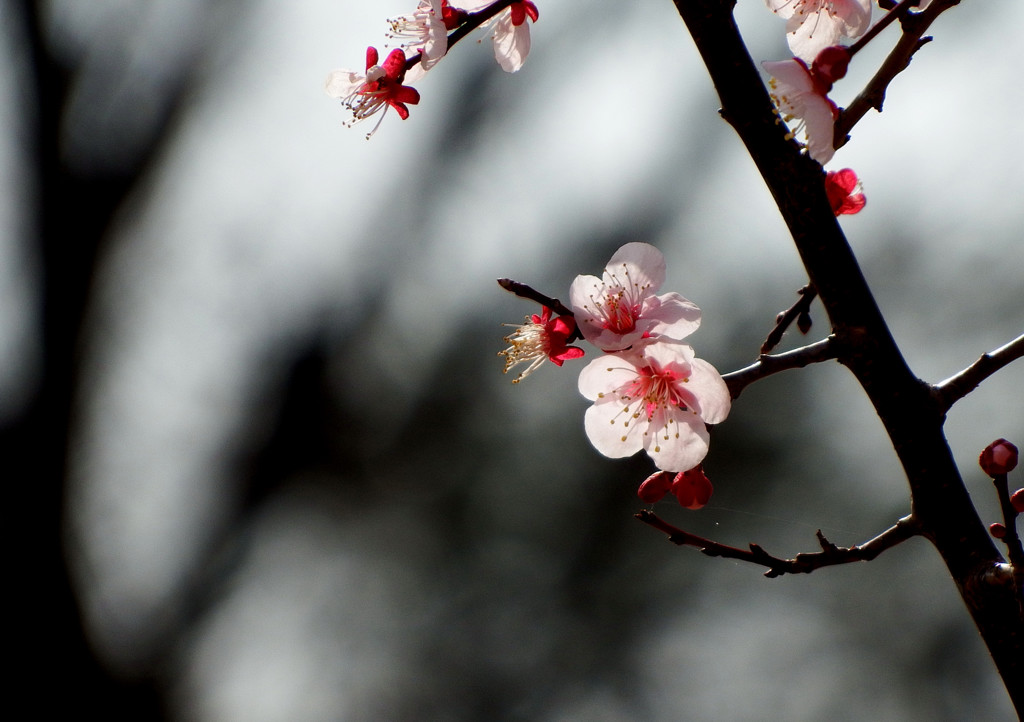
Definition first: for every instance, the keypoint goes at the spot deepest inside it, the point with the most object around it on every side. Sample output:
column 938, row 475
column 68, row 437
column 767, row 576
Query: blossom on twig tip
column 376, row 90
column 540, row 338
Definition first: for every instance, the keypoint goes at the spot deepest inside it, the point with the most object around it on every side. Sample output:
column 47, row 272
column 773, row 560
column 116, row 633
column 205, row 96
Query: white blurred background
column 299, row 488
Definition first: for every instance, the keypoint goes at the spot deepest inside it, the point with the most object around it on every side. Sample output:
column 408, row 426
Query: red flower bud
column 692, row 488
column 655, row 486
column 830, row 65
column 997, row 530
column 1017, row 500
column 999, row 457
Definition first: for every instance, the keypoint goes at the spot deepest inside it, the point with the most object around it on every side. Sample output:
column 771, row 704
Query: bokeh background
column 276, row 473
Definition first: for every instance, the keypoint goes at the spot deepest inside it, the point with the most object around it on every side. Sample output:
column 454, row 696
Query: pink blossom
column 381, row 87
column 511, row 32
column 815, row 24
column 540, row 338
column 655, row 397
column 799, row 94
column 844, row 191
column 426, row 29
column 617, row 310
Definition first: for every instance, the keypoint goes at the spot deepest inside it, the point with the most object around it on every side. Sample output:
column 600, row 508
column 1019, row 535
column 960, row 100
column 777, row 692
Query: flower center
column 656, row 390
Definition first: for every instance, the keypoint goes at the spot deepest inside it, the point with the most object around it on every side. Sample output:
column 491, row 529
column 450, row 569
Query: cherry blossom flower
column 815, row 24
column 381, row 87
column 619, row 309
column 844, row 191
column 540, row 338
column 657, row 397
column 426, row 29
column 799, row 94
column 511, row 31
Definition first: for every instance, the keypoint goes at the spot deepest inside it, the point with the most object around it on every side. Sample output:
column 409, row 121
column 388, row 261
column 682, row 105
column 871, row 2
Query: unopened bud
column 692, row 488
column 999, row 457
column 803, row 322
column 830, row 65
column 655, row 486
column 997, row 530
column 1017, row 500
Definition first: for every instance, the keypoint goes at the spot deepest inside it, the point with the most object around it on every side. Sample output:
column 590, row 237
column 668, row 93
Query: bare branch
column 830, row 554
column 524, row 291
column 766, row 365
column 807, row 294
column 873, row 95
column 953, row 389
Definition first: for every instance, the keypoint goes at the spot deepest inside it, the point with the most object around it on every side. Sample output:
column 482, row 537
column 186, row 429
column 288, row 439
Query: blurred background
column 255, row 418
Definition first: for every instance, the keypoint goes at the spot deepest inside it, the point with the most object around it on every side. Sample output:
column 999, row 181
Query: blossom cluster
column 425, row 34
column 649, row 390
column 800, row 86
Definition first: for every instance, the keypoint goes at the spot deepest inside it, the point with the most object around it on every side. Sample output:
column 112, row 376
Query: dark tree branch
column 905, row 404
column 766, row 365
column 953, row 389
column 785, row 319
column 805, row 563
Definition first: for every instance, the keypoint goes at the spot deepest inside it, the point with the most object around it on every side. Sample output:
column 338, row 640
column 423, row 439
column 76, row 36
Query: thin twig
column 873, row 95
column 830, row 554
column 524, row 291
column 953, row 389
column 766, row 365
column 1010, row 537
column 782, row 323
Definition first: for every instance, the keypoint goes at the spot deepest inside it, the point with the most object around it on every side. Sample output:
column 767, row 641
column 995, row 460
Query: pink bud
column 692, row 488
column 655, row 486
column 1017, row 500
column 999, row 457
column 830, row 65
column 997, row 530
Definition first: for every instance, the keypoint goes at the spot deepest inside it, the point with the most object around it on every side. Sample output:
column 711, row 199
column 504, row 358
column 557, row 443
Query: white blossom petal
column 713, row 398
column 511, row 42
column 678, row 442
column 342, row 83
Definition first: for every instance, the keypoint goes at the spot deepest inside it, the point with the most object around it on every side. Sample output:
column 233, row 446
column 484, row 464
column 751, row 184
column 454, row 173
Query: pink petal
column 645, row 263
column 792, row 74
column 686, row 445
column 613, row 432
column 605, row 374
column 713, row 397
